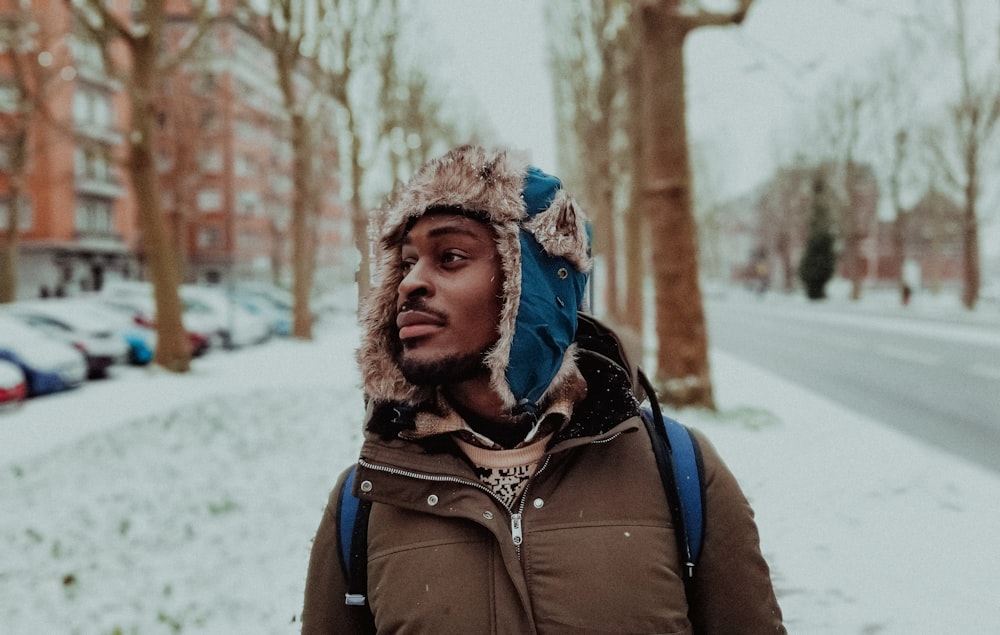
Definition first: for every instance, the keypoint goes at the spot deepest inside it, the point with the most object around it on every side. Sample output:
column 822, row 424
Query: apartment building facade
column 223, row 159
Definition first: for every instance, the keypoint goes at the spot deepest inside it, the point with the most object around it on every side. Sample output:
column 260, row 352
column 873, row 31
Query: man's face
column 449, row 299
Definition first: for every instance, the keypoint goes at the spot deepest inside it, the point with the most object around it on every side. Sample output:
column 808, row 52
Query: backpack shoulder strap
column 678, row 459
column 688, row 470
column 352, row 539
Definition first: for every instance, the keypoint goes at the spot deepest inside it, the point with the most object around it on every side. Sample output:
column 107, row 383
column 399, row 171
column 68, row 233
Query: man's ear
column 561, row 230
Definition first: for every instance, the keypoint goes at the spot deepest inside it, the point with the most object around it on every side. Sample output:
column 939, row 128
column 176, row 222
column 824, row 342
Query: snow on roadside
column 187, row 504
column 866, row 530
column 192, row 513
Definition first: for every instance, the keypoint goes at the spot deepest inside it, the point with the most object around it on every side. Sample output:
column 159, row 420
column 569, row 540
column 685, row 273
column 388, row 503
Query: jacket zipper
column 516, row 529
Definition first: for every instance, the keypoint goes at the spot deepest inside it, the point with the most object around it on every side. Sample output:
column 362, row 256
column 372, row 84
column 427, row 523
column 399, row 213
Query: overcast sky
column 741, row 81
column 745, row 84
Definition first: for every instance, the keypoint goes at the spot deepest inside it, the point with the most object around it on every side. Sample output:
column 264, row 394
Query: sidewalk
column 945, row 306
column 866, row 530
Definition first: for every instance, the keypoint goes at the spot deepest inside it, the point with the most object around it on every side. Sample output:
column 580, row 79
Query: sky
column 745, row 84
column 160, row 503
column 742, row 82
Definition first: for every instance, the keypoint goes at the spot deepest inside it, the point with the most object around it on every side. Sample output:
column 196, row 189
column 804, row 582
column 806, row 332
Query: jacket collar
column 608, row 401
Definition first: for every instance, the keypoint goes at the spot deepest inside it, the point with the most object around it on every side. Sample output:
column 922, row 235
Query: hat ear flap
column 562, row 231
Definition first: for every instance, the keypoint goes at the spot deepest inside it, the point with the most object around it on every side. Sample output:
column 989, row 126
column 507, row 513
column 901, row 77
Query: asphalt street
column 936, row 380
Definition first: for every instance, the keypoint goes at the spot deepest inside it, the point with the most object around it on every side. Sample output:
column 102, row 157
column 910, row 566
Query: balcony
column 95, row 187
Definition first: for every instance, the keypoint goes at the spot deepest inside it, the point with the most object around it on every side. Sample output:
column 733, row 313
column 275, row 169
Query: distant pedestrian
column 513, row 486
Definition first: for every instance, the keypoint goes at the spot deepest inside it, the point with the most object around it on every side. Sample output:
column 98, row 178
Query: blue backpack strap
column 686, row 461
column 678, row 459
column 352, row 539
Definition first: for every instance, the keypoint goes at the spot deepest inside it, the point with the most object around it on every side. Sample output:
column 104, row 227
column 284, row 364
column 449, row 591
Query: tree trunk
column 301, row 240
column 635, row 246
column 682, row 368
column 359, row 218
column 970, row 235
column 9, row 253
column 172, row 346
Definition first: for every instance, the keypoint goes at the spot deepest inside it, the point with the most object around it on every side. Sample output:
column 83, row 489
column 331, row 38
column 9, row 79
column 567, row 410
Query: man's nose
column 415, row 282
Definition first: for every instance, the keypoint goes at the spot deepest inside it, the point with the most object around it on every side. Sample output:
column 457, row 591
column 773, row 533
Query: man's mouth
column 413, row 324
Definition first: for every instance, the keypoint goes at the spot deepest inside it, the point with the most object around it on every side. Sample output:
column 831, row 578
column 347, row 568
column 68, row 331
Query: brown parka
column 597, row 552
column 589, row 546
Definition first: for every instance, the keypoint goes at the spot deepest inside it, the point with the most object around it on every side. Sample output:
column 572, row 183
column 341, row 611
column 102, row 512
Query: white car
column 136, row 299
column 13, row 385
column 235, row 325
column 68, row 321
column 48, row 365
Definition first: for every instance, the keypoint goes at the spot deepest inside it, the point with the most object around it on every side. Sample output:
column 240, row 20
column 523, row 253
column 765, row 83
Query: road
column 935, row 380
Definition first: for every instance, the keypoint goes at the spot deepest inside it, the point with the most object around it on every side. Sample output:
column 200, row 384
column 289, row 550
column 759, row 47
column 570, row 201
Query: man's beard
column 443, row 372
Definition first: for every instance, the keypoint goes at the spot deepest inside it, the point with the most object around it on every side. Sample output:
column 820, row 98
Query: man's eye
column 406, row 265
column 450, row 257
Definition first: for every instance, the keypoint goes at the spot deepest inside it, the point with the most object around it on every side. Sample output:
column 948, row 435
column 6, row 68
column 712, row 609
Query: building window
column 211, row 161
column 208, row 237
column 25, row 215
column 92, row 107
column 10, row 98
column 92, row 163
column 209, row 200
column 245, row 166
column 94, row 217
column 249, row 204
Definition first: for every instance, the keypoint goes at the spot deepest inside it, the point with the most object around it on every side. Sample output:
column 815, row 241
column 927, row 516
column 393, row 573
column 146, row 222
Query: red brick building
column 77, row 221
column 223, row 157
column 932, row 231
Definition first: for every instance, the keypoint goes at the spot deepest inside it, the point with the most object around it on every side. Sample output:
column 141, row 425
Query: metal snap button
column 488, row 515
column 366, row 486
column 538, row 503
column 432, row 500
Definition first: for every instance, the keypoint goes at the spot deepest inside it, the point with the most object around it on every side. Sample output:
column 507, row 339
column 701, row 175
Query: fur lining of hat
column 561, row 230
column 488, row 183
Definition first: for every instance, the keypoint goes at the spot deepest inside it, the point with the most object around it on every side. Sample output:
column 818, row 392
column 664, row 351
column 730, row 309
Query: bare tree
column 590, row 51
column 288, row 33
column 183, row 117
column 783, row 210
column 33, row 59
column 844, row 112
column 682, row 368
column 965, row 145
column 146, row 61
column 394, row 114
column 18, row 45
column 893, row 132
column 347, row 33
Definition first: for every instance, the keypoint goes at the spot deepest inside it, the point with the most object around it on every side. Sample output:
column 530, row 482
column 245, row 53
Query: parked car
column 48, row 365
column 270, row 307
column 135, row 299
column 235, row 325
column 13, row 385
column 65, row 320
column 140, row 338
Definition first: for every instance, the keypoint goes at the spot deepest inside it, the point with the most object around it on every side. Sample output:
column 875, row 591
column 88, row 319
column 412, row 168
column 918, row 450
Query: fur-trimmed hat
column 543, row 243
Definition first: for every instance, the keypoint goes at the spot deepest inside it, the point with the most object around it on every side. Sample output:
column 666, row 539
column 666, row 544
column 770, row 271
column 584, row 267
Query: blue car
column 48, row 365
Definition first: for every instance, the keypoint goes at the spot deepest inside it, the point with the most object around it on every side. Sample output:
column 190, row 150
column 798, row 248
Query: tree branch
column 703, row 17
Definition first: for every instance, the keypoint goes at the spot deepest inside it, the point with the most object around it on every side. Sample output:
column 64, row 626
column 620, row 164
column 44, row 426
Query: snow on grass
column 866, row 530
column 156, row 503
column 195, row 519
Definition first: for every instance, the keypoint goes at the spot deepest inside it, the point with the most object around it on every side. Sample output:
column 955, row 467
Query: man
column 513, row 485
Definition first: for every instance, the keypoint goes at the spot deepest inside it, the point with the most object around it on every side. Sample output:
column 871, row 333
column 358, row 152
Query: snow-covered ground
column 155, row 503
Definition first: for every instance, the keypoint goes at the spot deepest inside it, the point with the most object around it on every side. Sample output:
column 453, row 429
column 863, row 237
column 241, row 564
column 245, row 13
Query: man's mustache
column 420, row 306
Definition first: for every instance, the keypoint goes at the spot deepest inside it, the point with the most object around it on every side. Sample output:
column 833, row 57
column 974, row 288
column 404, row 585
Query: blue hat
column 542, row 239
column 552, row 291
